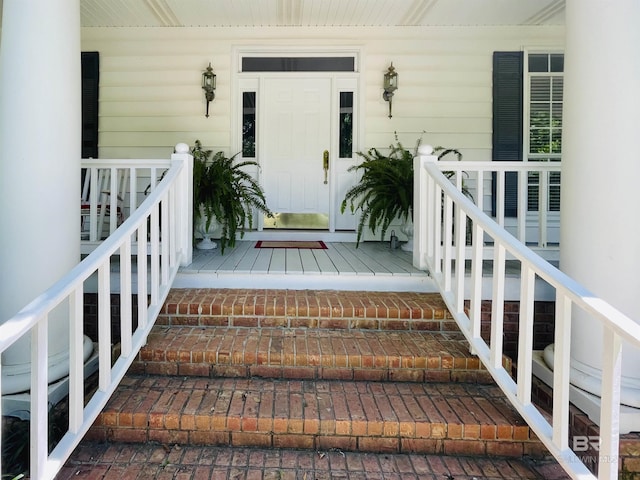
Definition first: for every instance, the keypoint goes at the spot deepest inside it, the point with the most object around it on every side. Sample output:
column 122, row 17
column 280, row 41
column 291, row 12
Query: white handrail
column 440, row 208
column 171, row 201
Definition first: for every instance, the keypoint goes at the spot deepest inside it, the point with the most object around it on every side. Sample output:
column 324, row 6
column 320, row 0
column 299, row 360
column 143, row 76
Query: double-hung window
column 543, row 123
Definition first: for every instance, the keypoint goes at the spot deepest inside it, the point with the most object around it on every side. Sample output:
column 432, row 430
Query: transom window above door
column 298, row 64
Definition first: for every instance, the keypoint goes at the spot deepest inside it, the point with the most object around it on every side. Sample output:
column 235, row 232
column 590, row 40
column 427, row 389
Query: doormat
column 290, row 244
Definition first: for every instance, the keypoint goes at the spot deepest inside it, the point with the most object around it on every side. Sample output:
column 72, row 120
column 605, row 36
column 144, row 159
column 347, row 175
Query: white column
column 601, row 172
column 40, row 149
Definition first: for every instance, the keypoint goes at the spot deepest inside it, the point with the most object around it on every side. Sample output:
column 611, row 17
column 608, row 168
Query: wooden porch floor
column 371, row 265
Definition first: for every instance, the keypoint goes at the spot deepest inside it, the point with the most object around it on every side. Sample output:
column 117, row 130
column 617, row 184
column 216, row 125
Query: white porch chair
column 102, row 200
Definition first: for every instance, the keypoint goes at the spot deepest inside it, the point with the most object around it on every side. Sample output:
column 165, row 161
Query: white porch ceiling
column 253, row 13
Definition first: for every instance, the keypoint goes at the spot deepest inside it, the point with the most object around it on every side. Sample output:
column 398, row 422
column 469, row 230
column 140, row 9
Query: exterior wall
column 150, row 95
column 151, row 99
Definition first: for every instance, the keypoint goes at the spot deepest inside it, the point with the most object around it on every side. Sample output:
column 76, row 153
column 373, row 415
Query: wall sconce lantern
column 390, row 85
column 209, row 86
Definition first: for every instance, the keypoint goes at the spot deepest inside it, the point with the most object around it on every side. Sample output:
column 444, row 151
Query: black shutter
column 507, row 121
column 90, row 82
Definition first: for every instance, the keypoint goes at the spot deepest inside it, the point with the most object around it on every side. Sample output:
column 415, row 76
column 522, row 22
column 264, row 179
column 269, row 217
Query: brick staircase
column 328, row 371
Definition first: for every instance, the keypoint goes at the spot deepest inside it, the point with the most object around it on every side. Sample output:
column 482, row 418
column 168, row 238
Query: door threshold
column 280, row 234
column 297, row 221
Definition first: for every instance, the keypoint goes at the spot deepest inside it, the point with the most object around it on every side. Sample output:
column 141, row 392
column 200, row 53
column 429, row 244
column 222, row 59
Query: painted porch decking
column 369, row 266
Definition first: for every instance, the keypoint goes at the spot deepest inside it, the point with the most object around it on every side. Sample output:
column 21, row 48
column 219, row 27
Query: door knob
column 325, row 164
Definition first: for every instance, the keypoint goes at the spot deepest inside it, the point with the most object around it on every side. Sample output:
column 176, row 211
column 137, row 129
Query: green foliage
column 545, row 132
column 225, row 191
column 385, row 190
column 15, row 447
column 15, row 440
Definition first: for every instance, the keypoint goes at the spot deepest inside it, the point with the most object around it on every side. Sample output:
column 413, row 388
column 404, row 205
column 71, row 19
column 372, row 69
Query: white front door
column 296, row 134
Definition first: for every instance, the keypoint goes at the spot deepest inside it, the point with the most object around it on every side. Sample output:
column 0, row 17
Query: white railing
column 114, row 185
column 442, row 217
column 158, row 235
column 537, row 227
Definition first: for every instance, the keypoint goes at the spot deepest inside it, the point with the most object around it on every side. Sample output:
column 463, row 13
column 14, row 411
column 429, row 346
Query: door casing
column 341, row 226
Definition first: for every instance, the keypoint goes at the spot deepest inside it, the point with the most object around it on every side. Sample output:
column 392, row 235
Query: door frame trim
column 238, row 77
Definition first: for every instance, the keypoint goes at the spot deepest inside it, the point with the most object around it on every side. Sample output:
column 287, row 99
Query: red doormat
column 290, row 244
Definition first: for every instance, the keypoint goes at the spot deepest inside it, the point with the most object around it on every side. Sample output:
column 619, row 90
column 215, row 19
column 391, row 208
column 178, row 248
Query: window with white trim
column 543, row 124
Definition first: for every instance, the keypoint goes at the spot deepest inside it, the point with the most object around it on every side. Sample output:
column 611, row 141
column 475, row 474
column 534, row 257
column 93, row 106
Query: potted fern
column 385, row 190
column 224, row 195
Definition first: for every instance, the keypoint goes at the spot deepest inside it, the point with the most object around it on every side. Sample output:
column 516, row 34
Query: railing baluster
column 561, row 371
column 543, row 203
column 155, row 256
column 610, row 410
column 113, row 200
column 76, row 359
column 164, row 245
column 497, row 305
column 173, row 223
column 125, row 298
column 460, row 260
column 522, row 206
column 143, row 304
column 94, row 196
column 104, row 326
column 480, row 190
column 133, row 189
column 39, row 398
column 153, row 180
column 525, row 334
column 437, row 230
column 500, row 187
column 447, row 241
column 475, row 303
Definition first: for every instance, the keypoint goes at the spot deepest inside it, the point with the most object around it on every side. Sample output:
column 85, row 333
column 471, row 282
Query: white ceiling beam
column 543, row 16
column 163, row 13
column 417, row 12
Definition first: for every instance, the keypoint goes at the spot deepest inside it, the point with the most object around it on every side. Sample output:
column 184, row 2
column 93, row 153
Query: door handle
column 325, row 164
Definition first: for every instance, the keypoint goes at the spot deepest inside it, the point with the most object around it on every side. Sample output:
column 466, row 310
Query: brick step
column 431, row 418
column 307, row 309
column 92, row 460
column 303, row 353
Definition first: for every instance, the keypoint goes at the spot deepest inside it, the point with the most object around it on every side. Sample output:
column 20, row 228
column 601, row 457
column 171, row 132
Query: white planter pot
column 206, row 243
column 407, row 229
